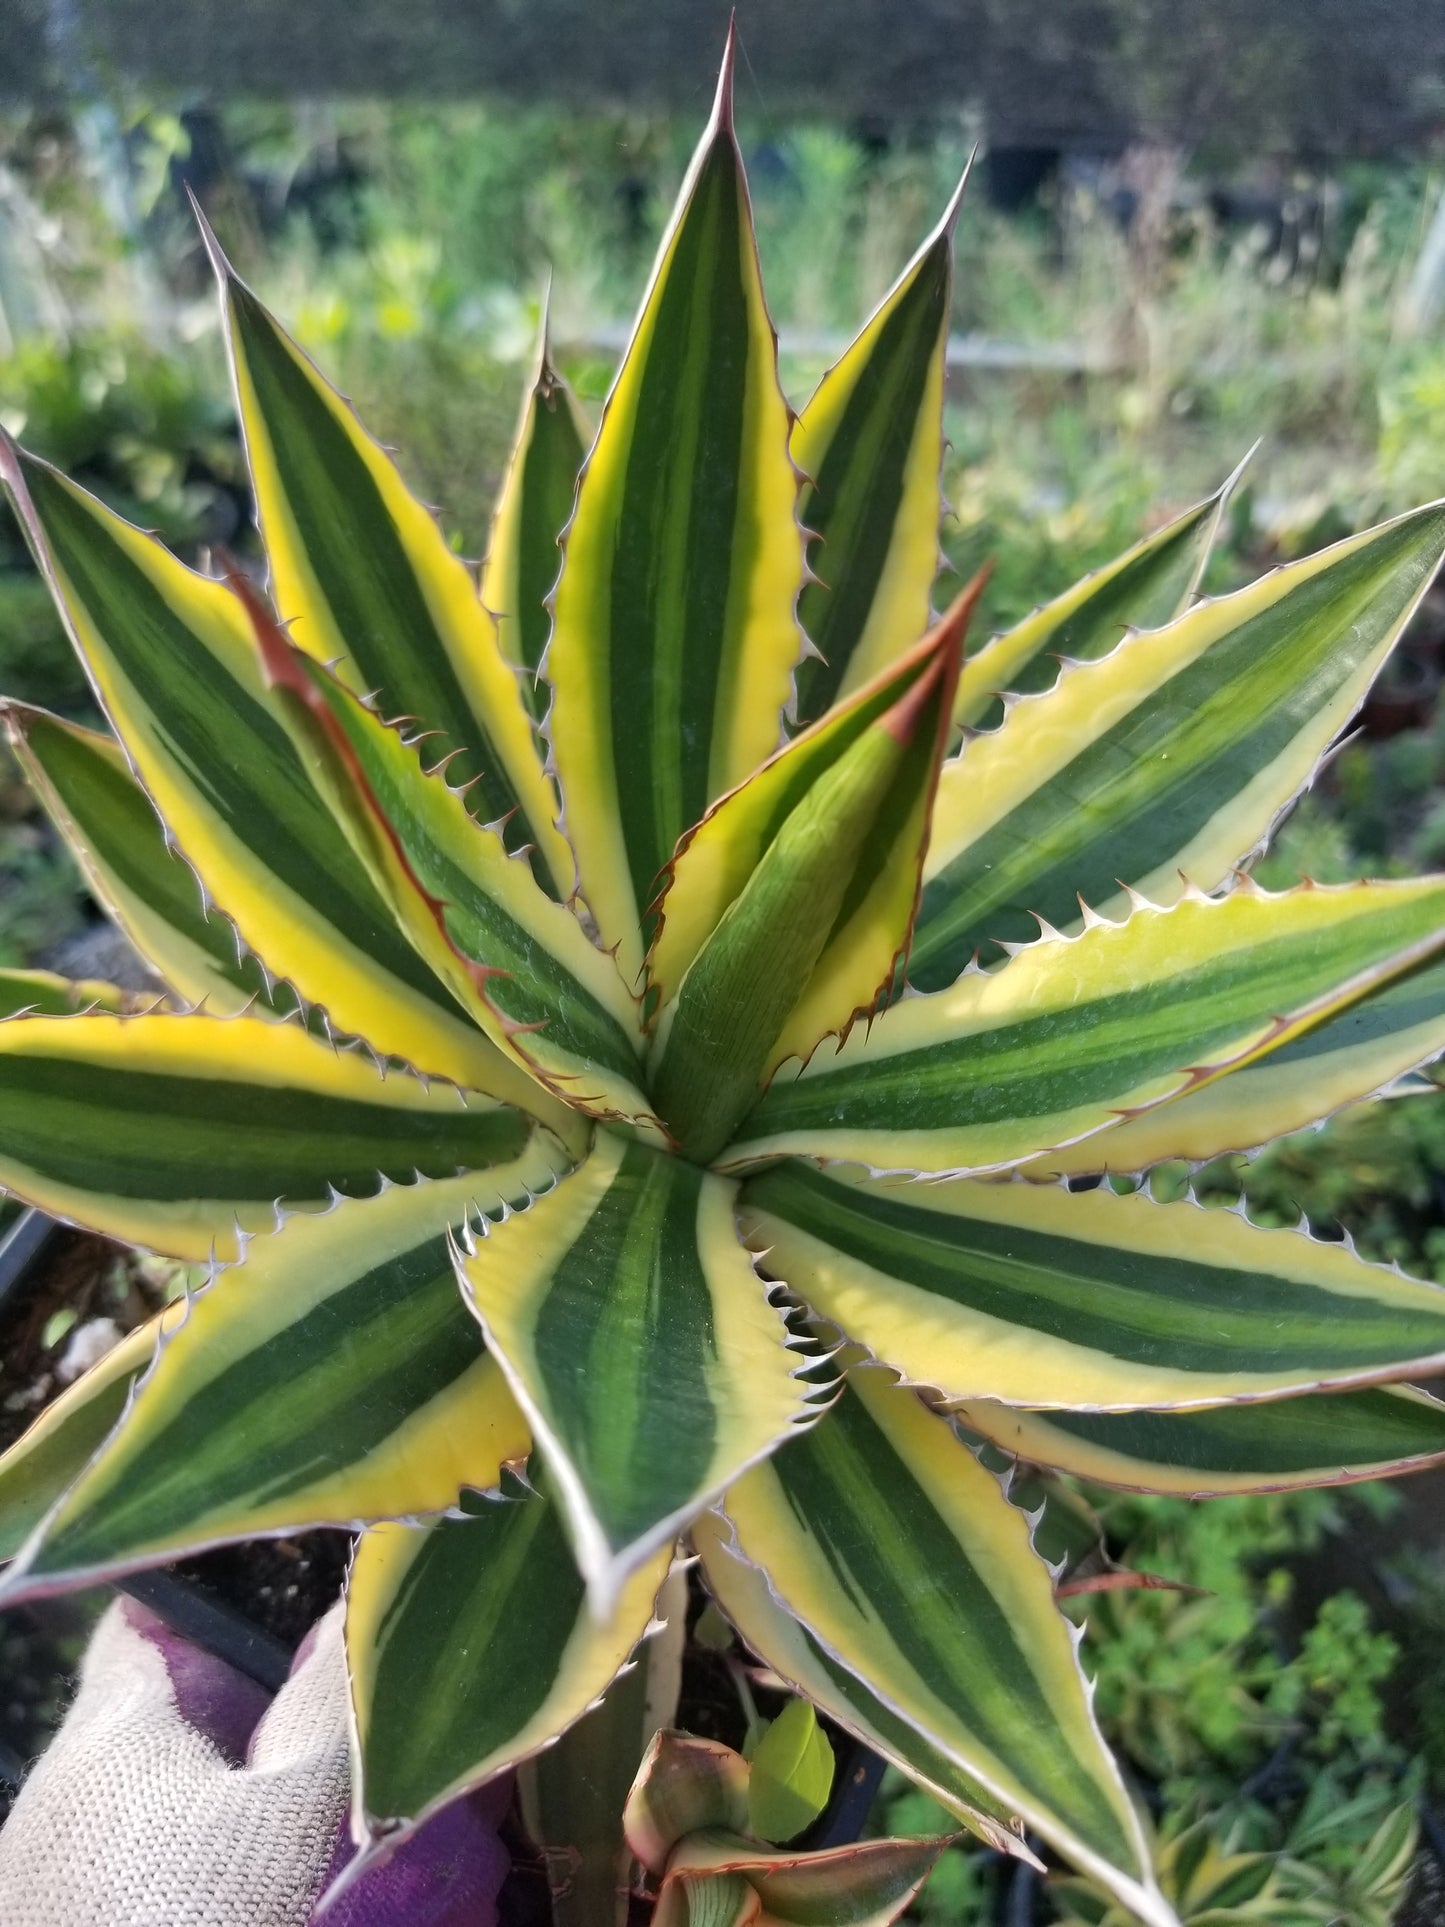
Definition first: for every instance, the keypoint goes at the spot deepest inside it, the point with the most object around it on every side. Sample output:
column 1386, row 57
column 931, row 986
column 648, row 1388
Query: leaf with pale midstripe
column 420, row 1599
column 866, row 1883
column 647, row 1354
column 364, row 577
column 1171, row 758
column 1363, row 1050
column 1075, row 1032
column 336, row 1378
column 513, row 957
column 882, row 1534
column 790, row 905
column 57, row 1447
column 1332, row 1439
column 1045, row 1297
column 184, row 1133
column 536, row 499
column 870, row 442
column 1147, row 586
column 174, row 661
column 113, row 832
column 675, row 639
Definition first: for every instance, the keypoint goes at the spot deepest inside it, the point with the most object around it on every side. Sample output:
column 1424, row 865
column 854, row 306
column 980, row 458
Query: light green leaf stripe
column 112, row 830
column 362, row 573
column 884, row 1536
column 640, row 1343
column 516, row 959
column 533, row 508
column 1361, row 1051
column 335, row 1378
column 1147, row 586
column 1278, row 1447
column 501, row 1582
column 675, row 638
column 183, row 1133
column 175, row 664
column 1074, row 1032
column 41, row 993
column 1171, row 758
column 1044, row 1297
column 55, row 1450
column 871, row 443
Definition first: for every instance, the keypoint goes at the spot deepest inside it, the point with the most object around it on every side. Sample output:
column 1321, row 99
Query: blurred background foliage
column 1125, row 328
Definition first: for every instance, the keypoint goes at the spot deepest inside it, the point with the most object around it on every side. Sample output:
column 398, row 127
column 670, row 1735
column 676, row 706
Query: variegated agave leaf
column 561, row 989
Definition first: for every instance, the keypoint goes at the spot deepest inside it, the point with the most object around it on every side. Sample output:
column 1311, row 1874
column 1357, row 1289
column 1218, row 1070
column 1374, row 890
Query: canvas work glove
column 178, row 1792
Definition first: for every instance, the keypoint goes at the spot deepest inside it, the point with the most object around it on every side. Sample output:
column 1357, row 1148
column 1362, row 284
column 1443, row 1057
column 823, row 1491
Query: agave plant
column 650, row 1019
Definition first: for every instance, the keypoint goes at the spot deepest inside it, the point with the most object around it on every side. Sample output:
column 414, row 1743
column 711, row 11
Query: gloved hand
column 177, row 1792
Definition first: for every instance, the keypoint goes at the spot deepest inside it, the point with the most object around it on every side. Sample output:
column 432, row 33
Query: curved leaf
column 1147, row 586
column 883, row 1535
column 641, row 1344
column 421, row 1598
column 335, row 1378
column 1278, row 1447
column 1171, row 758
column 870, row 442
column 363, row 575
column 175, row 664
column 675, row 639
column 186, row 1133
column 1049, row 1298
column 1074, row 1033
column 865, row 1884
column 533, row 508
column 114, row 834
column 41, row 993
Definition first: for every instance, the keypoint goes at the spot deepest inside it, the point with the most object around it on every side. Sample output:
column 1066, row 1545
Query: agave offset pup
column 716, row 1156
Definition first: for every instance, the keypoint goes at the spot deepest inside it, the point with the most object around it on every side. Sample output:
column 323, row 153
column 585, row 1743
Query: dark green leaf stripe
column 464, row 867
column 233, row 747
column 1410, row 1003
column 112, row 827
column 337, row 1377
column 1323, row 1440
column 355, row 553
column 639, row 1341
column 853, row 501
column 1148, row 1292
column 501, row 1581
column 1133, row 799
column 1099, row 1046
column 170, row 1130
column 1145, row 587
column 536, row 501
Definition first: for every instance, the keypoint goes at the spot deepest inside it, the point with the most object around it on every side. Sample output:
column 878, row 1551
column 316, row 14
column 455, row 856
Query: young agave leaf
column 41, row 993
column 1364, row 1049
column 1147, row 586
column 515, row 959
column 1074, row 1032
column 363, row 575
column 38, row 1467
column 675, row 639
column 422, row 1598
column 1085, row 1300
column 883, row 1535
column 791, row 903
column 533, row 508
column 174, row 663
column 720, row 1900
column 641, row 1344
column 871, row 443
column 183, row 1134
column 336, row 1379
column 1171, row 758
column 792, row 1775
column 866, row 1884
column 114, row 834
column 684, row 1785
column 1279, row 1447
